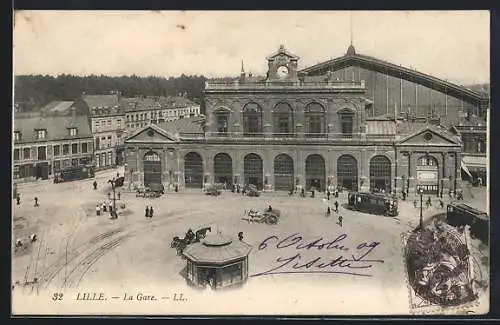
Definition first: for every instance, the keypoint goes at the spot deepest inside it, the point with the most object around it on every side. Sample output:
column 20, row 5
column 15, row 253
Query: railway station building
column 315, row 127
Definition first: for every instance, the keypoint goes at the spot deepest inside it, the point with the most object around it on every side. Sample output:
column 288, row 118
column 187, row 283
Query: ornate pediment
column 428, row 137
column 152, row 134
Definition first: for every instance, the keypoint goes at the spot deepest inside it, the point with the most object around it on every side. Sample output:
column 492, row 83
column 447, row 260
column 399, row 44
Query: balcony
column 230, row 137
column 288, row 86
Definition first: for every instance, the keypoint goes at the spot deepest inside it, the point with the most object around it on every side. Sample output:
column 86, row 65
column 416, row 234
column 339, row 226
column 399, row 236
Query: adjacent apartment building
column 107, row 126
column 141, row 111
column 50, row 140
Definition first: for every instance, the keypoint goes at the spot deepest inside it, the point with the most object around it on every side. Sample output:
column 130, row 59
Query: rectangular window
column 17, row 135
column 41, row 134
column 74, row 148
column 222, row 120
column 346, row 124
column 109, row 122
column 97, row 143
column 42, row 153
column 16, row 154
column 315, row 124
column 109, row 141
column 65, row 149
column 72, row 132
column 103, row 123
column 57, row 150
column 26, row 153
column 84, row 147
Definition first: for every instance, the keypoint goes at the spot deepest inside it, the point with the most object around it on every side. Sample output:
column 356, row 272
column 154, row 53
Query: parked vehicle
column 374, row 203
column 75, row 173
column 459, row 214
column 251, row 190
column 213, row 190
column 270, row 217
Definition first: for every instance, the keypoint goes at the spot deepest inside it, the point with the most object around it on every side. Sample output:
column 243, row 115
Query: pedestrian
column 36, row 202
column 429, row 202
column 290, row 193
column 340, row 221
column 270, row 208
column 147, row 212
column 328, row 211
column 303, row 192
column 479, row 181
column 404, row 195
column 119, row 195
column 18, row 199
column 328, row 195
column 117, row 175
column 336, row 193
column 111, row 210
column 240, row 235
column 110, row 206
column 415, row 204
column 95, row 185
column 109, row 195
column 98, row 210
column 176, row 188
column 336, row 206
column 104, row 207
column 151, row 212
column 441, row 203
column 312, row 192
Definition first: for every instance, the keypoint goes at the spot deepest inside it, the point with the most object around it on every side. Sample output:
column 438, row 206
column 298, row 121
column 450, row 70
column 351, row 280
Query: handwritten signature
column 345, row 263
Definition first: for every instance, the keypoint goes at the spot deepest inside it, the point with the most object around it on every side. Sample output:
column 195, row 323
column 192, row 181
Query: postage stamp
column 441, row 272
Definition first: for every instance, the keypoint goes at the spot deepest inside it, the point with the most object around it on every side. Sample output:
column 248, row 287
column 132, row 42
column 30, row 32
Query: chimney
column 242, row 73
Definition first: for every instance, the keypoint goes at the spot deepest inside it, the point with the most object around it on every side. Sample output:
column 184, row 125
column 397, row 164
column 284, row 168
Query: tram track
column 85, row 261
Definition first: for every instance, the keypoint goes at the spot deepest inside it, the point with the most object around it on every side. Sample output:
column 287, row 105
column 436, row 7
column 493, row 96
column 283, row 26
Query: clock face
column 282, row 72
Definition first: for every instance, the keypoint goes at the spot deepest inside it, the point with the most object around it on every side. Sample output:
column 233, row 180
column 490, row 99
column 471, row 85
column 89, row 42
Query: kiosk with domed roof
column 218, row 261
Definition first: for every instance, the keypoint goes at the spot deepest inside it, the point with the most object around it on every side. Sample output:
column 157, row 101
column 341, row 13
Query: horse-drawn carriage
column 189, row 238
column 150, row 191
column 268, row 216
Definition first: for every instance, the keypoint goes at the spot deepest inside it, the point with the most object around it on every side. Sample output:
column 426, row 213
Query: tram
column 459, row 214
column 75, row 173
column 374, row 203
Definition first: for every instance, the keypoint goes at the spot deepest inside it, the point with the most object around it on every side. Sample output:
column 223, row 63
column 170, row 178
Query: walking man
column 328, row 195
column 328, row 211
column 119, row 195
column 36, row 202
column 441, row 203
column 98, row 210
column 95, row 185
column 340, row 221
column 147, row 212
column 151, row 212
column 336, row 206
column 104, row 207
column 18, row 199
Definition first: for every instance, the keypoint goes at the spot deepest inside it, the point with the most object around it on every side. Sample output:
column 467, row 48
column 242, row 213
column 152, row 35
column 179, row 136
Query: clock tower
column 282, row 66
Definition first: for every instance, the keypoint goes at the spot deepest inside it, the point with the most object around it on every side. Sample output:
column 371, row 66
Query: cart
column 269, row 217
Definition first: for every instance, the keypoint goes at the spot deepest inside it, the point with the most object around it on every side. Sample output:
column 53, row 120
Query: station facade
column 290, row 130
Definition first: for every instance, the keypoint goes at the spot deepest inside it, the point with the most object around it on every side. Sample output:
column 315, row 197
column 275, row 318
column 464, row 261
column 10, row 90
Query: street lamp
column 421, row 192
column 114, row 215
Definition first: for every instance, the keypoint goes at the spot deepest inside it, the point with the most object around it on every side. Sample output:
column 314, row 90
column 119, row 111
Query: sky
column 453, row 45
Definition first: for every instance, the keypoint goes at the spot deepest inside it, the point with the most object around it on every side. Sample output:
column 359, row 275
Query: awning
column 465, row 169
column 475, row 161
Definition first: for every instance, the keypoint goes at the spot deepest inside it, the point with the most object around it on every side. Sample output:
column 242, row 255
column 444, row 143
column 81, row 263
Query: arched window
column 380, row 174
column 222, row 120
column 315, row 172
column 223, row 168
column 283, row 119
column 252, row 119
column 347, row 172
column 193, row 170
column 152, row 168
column 283, row 172
column 253, row 170
column 315, row 120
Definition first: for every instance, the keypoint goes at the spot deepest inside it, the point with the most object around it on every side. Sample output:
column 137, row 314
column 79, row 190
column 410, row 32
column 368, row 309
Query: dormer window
column 41, row 134
column 72, row 132
column 17, row 135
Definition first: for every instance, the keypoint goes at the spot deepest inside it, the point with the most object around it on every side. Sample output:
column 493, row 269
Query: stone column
column 300, row 168
column 238, row 166
column 268, row 169
column 364, row 172
column 412, row 172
